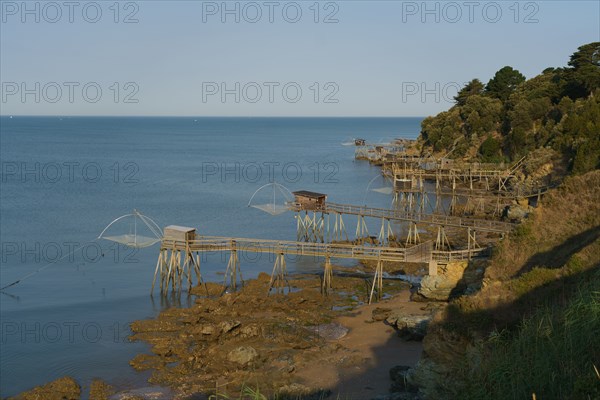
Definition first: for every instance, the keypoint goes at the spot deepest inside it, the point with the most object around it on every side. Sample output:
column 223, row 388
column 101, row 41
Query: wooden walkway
column 179, row 259
column 482, row 225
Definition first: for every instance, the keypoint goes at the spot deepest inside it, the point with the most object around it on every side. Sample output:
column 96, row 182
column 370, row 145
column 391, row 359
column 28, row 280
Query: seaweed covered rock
column 61, row 389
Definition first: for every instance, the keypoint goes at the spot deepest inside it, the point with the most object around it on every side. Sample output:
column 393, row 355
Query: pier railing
column 483, row 225
column 333, row 250
column 417, row 253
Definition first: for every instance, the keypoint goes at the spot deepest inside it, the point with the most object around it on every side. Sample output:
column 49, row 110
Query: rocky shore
column 296, row 344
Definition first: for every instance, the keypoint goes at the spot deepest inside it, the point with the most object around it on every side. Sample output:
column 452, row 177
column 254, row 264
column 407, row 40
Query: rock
column 401, row 379
column 441, row 349
column 410, row 327
column 154, row 326
column 295, row 389
column 228, row 326
column 100, row 390
column 143, row 362
column 332, row 331
column 145, row 393
column 442, row 286
column 61, row 389
column 380, row 314
column 298, row 390
column 516, row 212
column 249, row 331
column 207, row 330
column 242, row 355
column 521, row 201
column 434, row 306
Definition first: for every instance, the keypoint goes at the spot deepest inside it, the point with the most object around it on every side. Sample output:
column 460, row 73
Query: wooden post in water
column 361, row 228
column 339, row 229
column 233, row 266
column 279, row 274
column 158, row 267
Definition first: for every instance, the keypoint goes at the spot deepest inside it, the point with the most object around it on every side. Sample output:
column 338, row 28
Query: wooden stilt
column 377, row 281
column 299, row 227
column 471, row 241
column 386, row 232
column 158, row 266
column 279, row 275
column 327, row 276
column 339, row 229
column 442, row 239
column 413, row 234
column 233, row 267
column 361, row 228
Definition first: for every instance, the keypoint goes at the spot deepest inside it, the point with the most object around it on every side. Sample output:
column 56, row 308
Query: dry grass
column 571, row 210
column 537, row 319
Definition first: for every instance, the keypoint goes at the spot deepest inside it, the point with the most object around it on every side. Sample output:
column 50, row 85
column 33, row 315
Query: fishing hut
column 310, row 227
column 176, row 259
column 361, row 152
column 310, row 201
column 409, row 192
column 179, row 233
column 446, row 163
column 379, row 154
column 403, row 184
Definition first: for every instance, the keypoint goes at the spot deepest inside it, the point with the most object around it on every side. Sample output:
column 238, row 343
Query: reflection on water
column 171, row 299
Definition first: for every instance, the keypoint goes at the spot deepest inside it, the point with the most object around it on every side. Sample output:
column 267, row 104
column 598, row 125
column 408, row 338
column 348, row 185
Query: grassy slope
column 536, row 322
column 554, row 353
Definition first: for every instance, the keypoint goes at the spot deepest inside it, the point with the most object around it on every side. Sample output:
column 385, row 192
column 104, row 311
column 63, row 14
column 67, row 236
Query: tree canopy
column 475, row 87
column 584, row 75
column 511, row 116
column 504, row 83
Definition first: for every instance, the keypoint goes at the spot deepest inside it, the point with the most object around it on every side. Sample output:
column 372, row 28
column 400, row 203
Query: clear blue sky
column 377, row 58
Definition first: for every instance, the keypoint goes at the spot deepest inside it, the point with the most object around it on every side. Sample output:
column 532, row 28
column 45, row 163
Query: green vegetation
column 249, row 392
column 504, row 83
column 555, row 353
column 511, row 116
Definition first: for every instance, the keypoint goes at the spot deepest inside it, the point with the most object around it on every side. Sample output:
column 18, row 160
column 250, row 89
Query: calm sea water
column 64, row 179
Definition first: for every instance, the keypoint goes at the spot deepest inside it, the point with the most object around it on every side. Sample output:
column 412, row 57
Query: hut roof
column 178, row 228
column 309, row 194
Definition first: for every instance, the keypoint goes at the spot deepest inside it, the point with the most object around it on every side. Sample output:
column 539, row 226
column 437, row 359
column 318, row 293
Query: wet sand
column 375, row 345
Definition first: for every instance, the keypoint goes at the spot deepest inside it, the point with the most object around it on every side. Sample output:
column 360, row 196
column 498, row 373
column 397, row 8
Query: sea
column 63, row 180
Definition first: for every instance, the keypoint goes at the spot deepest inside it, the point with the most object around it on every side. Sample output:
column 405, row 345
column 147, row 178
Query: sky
column 273, row 58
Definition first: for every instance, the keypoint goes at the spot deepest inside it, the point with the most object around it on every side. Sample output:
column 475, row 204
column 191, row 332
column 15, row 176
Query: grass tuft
column 550, row 354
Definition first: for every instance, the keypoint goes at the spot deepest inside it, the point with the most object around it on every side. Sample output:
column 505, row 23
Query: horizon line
column 211, row 116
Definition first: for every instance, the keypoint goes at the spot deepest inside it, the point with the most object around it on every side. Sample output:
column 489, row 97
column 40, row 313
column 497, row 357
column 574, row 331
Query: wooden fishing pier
column 181, row 247
column 378, row 152
column 318, row 220
column 479, row 188
column 179, row 257
column 322, row 233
